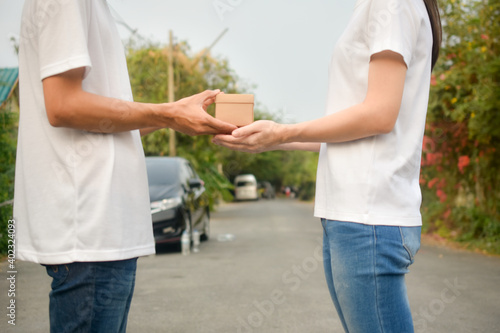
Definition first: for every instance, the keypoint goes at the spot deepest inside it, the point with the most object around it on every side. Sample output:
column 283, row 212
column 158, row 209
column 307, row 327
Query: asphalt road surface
column 261, row 271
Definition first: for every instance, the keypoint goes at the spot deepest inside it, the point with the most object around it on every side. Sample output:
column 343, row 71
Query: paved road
column 269, row 278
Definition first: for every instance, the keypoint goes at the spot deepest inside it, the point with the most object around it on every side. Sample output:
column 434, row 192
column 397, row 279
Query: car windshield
column 244, row 183
column 162, row 172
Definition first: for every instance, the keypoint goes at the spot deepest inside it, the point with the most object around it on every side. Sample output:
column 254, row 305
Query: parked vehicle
column 266, row 190
column 245, row 187
column 179, row 202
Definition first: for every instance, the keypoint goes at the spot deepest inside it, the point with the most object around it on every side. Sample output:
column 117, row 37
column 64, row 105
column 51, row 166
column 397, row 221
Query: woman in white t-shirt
column 370, row 141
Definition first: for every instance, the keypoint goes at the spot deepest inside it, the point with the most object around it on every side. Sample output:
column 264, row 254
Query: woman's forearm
column 357, row 122
column 305, row 146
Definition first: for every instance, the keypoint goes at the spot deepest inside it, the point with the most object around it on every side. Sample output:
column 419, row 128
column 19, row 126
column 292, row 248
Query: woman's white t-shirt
column 79, row 196
column 375, row 180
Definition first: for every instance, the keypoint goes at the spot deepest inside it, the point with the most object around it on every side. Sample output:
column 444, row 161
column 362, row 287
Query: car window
column 185, row 174
column 244, row 183
column 162, row 173
column 191, row 171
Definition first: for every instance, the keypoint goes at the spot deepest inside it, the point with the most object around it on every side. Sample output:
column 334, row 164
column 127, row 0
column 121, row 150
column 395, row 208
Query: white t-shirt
column 376, row 180
column 79, row 196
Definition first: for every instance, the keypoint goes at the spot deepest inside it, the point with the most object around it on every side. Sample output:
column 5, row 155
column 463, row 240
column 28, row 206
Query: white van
column 245, row 188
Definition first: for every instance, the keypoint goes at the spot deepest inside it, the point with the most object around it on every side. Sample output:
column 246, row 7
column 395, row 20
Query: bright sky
column 283, row 47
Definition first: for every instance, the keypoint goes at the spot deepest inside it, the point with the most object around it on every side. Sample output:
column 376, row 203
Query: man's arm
column 68, row 105
column 149, row 130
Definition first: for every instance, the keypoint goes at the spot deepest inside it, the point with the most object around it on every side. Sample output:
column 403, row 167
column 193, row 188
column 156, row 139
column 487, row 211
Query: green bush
column 461, row 153
column 8, row 138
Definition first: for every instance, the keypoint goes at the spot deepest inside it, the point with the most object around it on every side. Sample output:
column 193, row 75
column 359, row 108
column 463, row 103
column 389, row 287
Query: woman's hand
column 260, row 136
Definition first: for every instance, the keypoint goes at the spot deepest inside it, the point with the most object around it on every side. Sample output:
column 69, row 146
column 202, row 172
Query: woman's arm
column 377, row 114
column 306, row 146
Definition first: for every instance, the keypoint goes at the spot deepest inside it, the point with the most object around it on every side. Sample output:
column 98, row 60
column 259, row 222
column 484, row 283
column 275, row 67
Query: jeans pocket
column 58, row 273
column 411, row 240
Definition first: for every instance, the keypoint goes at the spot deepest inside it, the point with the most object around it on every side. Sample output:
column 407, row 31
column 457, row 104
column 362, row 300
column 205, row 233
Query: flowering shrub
column 461, row 156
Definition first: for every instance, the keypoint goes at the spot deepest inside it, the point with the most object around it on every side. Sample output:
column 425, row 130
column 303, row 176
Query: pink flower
column 433, row 80
column 441, row 195
column 432, row 182
column 485, row 37
column 463, row 162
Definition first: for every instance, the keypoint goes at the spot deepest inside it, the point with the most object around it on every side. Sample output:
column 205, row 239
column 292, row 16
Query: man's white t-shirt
column 375, row 180
column 79, row 196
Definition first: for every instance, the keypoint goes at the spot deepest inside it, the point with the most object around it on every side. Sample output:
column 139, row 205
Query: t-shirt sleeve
column 392, row 25
column 63, row 36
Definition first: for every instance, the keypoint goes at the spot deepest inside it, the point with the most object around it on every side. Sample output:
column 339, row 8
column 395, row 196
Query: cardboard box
column 236, row 109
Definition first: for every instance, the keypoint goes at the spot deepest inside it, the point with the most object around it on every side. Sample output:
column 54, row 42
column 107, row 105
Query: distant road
column 262, row 272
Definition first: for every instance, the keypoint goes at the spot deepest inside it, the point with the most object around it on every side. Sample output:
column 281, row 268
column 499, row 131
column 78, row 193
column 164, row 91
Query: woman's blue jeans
column 91, row 296
column 365, row 267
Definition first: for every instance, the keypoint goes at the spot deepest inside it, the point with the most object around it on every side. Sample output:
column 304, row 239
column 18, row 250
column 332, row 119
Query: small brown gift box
column 236, row 109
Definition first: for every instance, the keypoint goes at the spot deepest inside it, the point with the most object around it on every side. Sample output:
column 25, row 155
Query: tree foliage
column 8, row 137
column 461, row 156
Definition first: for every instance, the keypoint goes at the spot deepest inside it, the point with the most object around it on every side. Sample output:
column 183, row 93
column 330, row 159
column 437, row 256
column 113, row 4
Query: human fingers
column 230, row 142
column 207, row 97
column 253, row 128
column 208, row 94
column 217, row 126
column 227, row 139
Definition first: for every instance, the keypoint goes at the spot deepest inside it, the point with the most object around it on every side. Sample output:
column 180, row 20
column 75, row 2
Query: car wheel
column 206, row 227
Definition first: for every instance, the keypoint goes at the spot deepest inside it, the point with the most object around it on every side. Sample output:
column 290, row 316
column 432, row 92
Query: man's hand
column 190, row 116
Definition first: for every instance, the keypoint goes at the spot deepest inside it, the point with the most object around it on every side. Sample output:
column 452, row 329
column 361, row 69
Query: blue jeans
column 91, row 296
column 365, row 267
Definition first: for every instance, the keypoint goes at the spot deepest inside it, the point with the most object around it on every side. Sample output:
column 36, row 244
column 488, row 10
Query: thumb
column 209, row 94
column 208, row 97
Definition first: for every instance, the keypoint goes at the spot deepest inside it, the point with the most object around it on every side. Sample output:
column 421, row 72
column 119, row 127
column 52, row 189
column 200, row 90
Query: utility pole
column 171, row 142
column 171, row 97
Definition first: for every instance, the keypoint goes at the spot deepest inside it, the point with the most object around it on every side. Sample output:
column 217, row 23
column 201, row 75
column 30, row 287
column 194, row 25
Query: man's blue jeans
column 365, row 267
column 91, row 296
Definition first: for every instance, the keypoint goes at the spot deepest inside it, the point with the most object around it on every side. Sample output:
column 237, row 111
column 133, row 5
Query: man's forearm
column 95, row 113
column 68, row 105
column 149, row 130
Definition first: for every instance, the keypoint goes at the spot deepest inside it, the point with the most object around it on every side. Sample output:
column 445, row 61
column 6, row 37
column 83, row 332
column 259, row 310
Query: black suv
column 178, row 199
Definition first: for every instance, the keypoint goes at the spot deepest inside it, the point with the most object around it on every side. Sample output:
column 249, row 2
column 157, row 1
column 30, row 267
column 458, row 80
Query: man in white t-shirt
column 81, row 192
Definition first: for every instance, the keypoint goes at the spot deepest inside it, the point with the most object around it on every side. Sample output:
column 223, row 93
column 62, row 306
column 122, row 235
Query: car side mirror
column 195, row 183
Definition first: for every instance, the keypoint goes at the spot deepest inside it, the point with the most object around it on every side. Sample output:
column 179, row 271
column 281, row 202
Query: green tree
column 461, row 156
column 8, row 137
